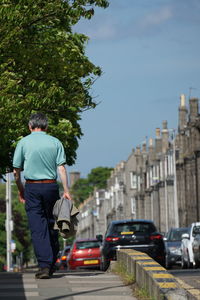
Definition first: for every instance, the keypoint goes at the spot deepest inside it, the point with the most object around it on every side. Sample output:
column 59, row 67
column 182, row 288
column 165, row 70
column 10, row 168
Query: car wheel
column 167, row 264
column 183, row 263
column 197, row 264
column 189, row 264
column 196, row 259
column 105, row 263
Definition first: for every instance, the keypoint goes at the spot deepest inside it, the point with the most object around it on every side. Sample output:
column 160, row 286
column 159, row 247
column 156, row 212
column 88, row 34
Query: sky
column 149, row 54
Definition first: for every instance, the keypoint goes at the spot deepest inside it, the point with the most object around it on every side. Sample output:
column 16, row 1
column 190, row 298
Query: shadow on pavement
column 60, row 274
column 86, row 292
column 11, row 286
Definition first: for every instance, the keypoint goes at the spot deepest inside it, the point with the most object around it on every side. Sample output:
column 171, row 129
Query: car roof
column 196, row 223
column 132, row 220
column 178, row 228
column 86, row 240
column 67, row 247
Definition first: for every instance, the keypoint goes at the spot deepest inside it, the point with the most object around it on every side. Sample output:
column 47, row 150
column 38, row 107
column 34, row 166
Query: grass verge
column 129, row 279
column 120, row 269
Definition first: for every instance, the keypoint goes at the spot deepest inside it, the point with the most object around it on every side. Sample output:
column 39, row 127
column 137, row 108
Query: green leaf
column 43, row 67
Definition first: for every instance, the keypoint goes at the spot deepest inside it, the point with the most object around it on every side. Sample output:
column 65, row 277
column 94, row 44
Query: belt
column 41, row 181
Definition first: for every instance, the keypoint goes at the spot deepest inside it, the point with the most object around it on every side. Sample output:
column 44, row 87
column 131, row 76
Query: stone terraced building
column 158, row 181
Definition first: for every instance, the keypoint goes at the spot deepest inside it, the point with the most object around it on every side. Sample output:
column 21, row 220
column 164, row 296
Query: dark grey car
column 173, row 246
column 140, row 235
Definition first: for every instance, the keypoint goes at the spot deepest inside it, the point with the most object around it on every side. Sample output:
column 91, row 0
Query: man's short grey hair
column 38, row 120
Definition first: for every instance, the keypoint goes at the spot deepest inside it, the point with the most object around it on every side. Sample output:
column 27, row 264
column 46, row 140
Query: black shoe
column 43, row 273
column 52, row 270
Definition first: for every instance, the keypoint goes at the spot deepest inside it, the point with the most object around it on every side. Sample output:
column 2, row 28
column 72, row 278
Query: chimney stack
column 165, row 137
column 158, row 141
column 151, row 143
column 138, row 150
column 151, row 150
column 144, row 147
column 194, row 109
column 182, row 113
column 157, row 132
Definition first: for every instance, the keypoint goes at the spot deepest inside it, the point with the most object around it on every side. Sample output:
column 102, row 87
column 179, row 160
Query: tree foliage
column 83, row 187
column 98, row 177
column 43, row 67
column 81, row 190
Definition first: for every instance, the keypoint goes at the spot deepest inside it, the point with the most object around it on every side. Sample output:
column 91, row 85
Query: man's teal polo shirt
column 39, row 155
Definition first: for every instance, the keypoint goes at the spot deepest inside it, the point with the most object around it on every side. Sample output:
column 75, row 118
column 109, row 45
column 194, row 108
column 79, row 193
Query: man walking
column 40, row 155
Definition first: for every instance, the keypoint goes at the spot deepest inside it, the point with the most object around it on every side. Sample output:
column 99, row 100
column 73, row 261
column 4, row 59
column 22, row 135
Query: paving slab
column 64, row 285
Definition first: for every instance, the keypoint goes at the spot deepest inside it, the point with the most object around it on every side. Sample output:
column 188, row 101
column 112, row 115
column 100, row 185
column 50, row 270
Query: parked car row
column 179, row 246
column 141, row 235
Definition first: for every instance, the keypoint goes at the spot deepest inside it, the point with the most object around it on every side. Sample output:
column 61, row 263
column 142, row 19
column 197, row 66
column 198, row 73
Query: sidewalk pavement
column 68, row 285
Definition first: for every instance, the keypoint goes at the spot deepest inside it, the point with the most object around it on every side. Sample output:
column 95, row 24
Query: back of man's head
column 38, row 120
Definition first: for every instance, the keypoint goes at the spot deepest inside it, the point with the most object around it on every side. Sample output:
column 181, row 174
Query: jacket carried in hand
column 65, row 215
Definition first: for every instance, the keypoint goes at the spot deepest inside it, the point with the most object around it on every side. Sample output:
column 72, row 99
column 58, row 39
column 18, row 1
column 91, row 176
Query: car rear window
column 175, row 235
column 87, row 244
column 132, row 228
column 67, row 250
column 196, row 230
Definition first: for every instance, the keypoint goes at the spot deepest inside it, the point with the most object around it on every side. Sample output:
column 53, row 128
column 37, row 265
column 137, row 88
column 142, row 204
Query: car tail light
column 156, row 237
column 112, row 239
column 64, row 257
column 58, row 260
column 160, row 257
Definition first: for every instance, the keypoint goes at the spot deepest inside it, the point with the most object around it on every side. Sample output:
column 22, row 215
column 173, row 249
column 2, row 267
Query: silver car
column 173, row 246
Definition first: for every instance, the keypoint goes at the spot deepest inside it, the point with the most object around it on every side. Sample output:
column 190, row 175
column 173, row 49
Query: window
column 133, row 178
column 161, row 170
column 196, row 230
column 133, row 206
column 87, row 245
column 139, row 182
column 133, row 227
column 148, row 180
column 151, row 176
column 175, row 234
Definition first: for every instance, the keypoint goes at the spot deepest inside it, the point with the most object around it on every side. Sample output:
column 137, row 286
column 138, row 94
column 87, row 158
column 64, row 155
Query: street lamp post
column 8, row 223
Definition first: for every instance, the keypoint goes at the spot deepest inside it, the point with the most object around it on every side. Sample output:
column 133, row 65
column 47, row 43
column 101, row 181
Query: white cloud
column 156, row 18
column 99, row 28
column 140, row 20
column 102, row 32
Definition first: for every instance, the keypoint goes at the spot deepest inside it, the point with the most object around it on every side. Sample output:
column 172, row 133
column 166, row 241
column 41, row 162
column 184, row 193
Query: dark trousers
column 40, row 199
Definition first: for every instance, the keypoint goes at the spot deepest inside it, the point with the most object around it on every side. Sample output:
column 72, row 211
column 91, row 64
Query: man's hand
column 63, row 176
column 21, row 197
column 19, row 185
column 67, row 195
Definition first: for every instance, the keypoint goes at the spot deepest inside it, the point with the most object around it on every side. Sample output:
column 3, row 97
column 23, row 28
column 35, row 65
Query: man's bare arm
column 63, row 176
column 17, row 175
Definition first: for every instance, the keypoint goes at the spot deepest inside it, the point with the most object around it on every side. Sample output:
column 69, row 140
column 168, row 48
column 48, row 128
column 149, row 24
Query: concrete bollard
column 151, row 276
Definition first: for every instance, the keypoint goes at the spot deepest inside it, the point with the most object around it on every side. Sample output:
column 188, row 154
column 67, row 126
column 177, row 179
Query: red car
column 84, row 253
